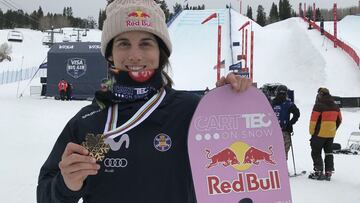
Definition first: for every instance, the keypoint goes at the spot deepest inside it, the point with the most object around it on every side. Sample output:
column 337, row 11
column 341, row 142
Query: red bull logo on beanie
column 138, row 19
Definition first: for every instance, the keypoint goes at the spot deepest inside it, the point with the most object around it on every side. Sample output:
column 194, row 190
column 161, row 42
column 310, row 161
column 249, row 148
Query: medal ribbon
column 111, row 132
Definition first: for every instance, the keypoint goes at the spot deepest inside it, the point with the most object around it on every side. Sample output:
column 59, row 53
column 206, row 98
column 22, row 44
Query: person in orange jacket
column 62, row 86
column 325, row 120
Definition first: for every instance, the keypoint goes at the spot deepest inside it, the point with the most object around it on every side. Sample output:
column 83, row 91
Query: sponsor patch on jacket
column 162, row 142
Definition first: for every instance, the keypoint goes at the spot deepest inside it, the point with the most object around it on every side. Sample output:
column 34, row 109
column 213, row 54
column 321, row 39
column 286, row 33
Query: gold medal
column 96, row 146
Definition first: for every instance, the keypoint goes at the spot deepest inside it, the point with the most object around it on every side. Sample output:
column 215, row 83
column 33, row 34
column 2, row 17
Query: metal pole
column 241, row 6
column 7, row 76
column 246, row 49
column 314, row 13
column 335, row 27
column 292, row 153
column 218, row 50
column 252, row 56
column 219, row 54
column 17, row 91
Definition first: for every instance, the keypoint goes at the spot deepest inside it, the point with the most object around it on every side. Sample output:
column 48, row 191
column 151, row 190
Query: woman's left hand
column 238, row 84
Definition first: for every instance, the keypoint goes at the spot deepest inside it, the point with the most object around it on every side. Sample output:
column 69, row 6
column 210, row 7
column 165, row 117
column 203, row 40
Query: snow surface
column 285, row 52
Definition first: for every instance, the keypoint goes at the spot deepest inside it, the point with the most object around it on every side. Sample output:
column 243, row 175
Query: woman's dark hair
column 164, row 63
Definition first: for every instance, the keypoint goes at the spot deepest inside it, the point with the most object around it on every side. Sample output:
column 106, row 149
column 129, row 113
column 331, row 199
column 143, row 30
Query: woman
column 130, row 145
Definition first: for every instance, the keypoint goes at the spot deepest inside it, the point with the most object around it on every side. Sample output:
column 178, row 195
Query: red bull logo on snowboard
column 240, row 156
column 226, row 157
column 254, row 155
column 248, row 182
column 138, row 19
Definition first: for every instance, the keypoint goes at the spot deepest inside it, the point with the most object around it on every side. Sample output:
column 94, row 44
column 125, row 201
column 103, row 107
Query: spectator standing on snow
column 325, row 120
column 62, row 87
column 69, row 90
column 287, row 113
column 322, row 26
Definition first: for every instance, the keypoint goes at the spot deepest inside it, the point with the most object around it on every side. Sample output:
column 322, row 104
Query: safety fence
column 350, row 51
column 11, row 76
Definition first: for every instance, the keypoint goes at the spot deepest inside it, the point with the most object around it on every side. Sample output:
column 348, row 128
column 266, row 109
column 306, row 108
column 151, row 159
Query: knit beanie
column 128, row 15
column 323, row 91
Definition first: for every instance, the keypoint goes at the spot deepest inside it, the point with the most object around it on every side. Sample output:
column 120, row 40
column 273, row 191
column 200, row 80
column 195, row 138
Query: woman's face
column 135, row 51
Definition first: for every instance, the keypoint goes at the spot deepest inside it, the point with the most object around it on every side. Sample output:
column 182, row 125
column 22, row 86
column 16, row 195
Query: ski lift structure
column 49, row 39
column 76, row 33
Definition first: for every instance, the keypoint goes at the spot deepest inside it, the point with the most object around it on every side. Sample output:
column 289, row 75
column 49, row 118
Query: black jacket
column 149, row 176
column 283, row 109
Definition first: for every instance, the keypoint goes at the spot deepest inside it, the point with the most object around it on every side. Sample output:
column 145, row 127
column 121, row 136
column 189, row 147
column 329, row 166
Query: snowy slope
column 20, row 51
column 347, row 30
column 195, row 48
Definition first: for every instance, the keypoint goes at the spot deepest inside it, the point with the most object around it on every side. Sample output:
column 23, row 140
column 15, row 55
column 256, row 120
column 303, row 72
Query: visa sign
column 76, row 67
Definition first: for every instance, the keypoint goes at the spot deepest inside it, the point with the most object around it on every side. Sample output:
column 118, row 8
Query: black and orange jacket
column 325, row 117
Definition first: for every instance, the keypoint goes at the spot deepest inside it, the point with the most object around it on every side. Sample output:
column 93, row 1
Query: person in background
column 322, row 26
column 62, row 87
column 206, row 90
column 135, row 148
column 105, row 85
column 104, row 92
column 309, row 22
column 325, row 120
column 287, row 113
column 69, row 90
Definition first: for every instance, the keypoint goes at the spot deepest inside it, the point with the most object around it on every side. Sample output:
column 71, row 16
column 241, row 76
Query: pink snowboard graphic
column 236, row 149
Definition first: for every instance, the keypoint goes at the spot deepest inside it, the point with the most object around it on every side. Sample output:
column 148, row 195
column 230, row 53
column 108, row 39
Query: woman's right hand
column 76, row 165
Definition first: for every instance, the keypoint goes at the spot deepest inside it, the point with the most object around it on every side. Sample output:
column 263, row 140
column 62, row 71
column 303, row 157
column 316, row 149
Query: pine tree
column 1, row 19
column 261, row 16
column 318, row 14
column 34, row 25
column 177, row 8
column 102, row 17
column 281, row 9
column 165, row 9
column 274, row 14
column 249, row 12
column 284, row 9
column 187, row 7
column 40, row 12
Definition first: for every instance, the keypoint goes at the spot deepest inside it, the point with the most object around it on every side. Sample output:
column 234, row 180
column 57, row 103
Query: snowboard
column 236, row 149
